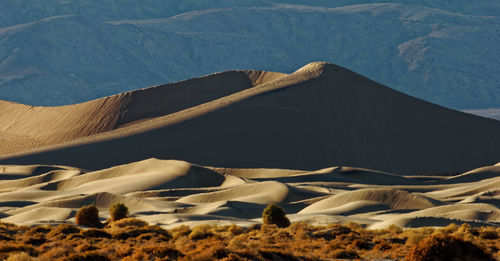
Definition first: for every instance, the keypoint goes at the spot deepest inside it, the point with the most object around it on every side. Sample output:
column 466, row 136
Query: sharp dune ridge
column 319, row 116
column 52, row 125
column 170, row 193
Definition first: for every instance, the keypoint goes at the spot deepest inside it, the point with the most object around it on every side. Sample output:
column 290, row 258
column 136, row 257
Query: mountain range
column 56, row 52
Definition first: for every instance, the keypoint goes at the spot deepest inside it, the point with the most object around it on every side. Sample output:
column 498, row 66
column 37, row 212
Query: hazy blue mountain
column 59, row 52
column 493, row 113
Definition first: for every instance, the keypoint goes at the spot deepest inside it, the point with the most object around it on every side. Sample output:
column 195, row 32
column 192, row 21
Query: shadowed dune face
column 171, row 193
column 318, row 116
column 28, row 127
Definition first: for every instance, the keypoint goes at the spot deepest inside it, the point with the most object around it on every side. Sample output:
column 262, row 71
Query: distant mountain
column 493, row 113
column 55, row 52
column 320, row 115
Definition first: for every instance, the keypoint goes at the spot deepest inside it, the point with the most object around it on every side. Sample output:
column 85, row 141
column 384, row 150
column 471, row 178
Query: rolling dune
column 269, row 138
column 171, row 193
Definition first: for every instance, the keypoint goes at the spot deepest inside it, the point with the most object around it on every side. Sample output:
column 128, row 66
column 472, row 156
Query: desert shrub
column 466, row 229
column 37, row 230
column 7, row 224
column 331, row 231
column 21, row 257
column 238, row 242
column 37, row 239
column 88, row 257
column 6, row 238
column 180, row 231
column 414, row 236
column 200, row 232
column 133, row 232
column 394, row 229
column 129, row 222
column 17, row 247
column 208, row 251
column 277, row 254
column 151, row 236
column 353, row 226
column 166, row 252
column 382, row 246
column 274, row 214
column 56, row 252
column 445, row 247
column 451, row 228
column 92, row 232
column 88, row 216
column 360, row 244
column 62, row 230
column 488, row 233
column 344, row 254
column 118, row 211
column 300, row 230
column 236, row 230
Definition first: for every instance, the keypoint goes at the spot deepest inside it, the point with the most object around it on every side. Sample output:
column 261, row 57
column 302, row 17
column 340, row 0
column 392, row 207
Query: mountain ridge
column 435, row 54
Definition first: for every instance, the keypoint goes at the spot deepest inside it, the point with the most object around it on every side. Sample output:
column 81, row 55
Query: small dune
column 364, row 198
column 173, row 192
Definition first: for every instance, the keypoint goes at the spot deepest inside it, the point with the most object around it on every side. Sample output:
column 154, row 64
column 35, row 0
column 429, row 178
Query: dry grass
column 133, row 239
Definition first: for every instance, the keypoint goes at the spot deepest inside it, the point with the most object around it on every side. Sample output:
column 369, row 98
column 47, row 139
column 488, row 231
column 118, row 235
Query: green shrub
column 274, row 214
column 88, row 216
column 445, row 247
column 118, row 211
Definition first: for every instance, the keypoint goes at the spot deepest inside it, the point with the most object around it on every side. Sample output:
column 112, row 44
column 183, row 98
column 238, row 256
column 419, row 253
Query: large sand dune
column 319, row 116
column 170, row 193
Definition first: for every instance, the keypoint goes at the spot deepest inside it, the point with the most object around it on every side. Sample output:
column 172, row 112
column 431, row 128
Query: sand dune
column 319, row 116
column 268, row 138
column 172, row 192
column 34, row 126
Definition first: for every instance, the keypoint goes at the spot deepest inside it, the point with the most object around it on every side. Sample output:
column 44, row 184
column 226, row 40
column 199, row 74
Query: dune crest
column 172, row 192
column 318, row 116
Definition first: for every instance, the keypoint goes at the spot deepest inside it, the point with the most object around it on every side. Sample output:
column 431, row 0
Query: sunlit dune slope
column 170, row 193
column 319, row 116
column 28, row 127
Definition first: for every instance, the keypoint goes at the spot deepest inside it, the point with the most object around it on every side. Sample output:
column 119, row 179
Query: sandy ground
column 170, row 193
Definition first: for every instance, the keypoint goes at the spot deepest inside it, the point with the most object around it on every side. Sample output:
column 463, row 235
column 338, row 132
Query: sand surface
column 319, row 116
column 325, row 143
column 171, row 192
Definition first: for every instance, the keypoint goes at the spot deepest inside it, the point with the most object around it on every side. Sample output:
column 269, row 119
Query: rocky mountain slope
column 56, row 52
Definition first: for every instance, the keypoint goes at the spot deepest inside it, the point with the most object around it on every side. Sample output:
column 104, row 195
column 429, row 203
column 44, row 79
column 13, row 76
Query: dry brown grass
column 447, row 247
column 133, row 239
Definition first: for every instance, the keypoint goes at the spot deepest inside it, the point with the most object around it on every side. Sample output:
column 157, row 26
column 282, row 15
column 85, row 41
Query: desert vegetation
column 88, row 216
column 274, row 214
column 134, row 239
column 118, row 211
